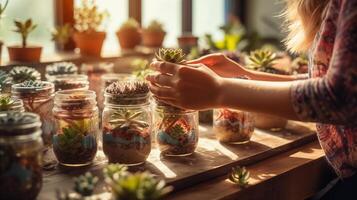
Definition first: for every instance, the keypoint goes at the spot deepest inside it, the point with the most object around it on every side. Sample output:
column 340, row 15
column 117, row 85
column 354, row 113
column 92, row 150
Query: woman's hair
column 303, row 20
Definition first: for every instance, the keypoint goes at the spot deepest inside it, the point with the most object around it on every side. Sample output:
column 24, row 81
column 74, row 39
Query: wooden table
column 208, row 167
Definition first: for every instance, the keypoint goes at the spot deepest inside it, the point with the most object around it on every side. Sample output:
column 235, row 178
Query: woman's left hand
column 186, row 86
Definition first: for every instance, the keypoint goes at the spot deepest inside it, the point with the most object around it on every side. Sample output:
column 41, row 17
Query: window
column 118, row 11
column 41, row 12
column 167, row 12
column 208, row 16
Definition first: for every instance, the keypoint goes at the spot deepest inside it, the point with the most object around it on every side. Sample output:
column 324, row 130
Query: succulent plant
column 170, row 55
column 263, row 60
column 4, row 80
column 124, row 118
column 155, row 26
column 61, row 34
column 114, row 171
column 139, row 186
column 24, row 28
column 3, row 7
column 6, row 102
column 61, row 68
column 131, row 23
column 239, row 176
column 23, row 73
column 128, row 89
column 87, row 17
column 85, row 184
column 142, row 69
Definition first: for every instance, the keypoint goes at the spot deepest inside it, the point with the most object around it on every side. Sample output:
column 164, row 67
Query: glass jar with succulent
column 70, row 82
column 154, row 34
column 2, row 10
column 233, row 126
column 25, row 52
column 61, row 68
column 8, row 103
column 127, row 122
column 176, row 129
column 263, row 60
column 76, row 117
column 129, row 34
column 20, row 155
column 5, row 82
column 37, row 97
column 88, row 21
column 108, row 79
column 61, row 35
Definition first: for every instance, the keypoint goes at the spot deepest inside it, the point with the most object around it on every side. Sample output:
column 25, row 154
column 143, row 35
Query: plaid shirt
column 329, row 97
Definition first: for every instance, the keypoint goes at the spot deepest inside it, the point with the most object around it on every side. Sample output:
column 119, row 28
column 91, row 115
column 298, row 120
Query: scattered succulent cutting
column 137, row 186
column 114, row 171
column 85, row 184
column 22, row 73
column 24, row 29
column 239, row 176
column 61, row 68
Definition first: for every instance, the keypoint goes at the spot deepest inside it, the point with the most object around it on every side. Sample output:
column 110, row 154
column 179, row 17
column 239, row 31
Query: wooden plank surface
column 211, row 159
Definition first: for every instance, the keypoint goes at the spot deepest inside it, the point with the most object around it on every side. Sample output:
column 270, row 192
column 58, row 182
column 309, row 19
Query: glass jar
column 20, row 155
column 8, row 103
column 76, row 119
column 126, row 124
column 233, row 126
column 37, row 97
column 176, row 130
column 108, row 79
column 70, row 82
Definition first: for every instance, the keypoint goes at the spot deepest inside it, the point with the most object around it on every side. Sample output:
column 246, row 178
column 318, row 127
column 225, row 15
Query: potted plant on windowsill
column 263, row 60
column 25, row 52
column 153, row 35
column 87, row 36
column 2, row 10
column 62, row 36
column 129, row 34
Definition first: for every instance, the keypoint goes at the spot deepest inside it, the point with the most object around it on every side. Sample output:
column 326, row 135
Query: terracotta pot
column 89, row 43
column 129, row 38
column 187, row 42
column 25, row 54
column 269, row 122
column 153, row 38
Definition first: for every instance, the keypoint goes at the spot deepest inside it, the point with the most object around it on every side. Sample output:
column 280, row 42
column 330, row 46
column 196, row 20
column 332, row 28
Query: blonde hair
column 303, row 20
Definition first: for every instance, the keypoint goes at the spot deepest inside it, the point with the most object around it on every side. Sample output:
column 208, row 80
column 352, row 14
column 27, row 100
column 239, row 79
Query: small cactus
column 22, row 73
column 85, row 184
column 239, row 176
column 170, row 55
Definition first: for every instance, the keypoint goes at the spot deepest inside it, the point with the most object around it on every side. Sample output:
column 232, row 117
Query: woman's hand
column 221, row 65
column 192, row 86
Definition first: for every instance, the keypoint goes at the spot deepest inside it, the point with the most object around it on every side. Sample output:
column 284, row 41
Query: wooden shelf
column 211, row 159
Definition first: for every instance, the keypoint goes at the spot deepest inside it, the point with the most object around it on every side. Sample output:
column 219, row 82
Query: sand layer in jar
column 233, row 127
column 178, row 139
column 20, row 173
column 126, row 145
column 75, row 144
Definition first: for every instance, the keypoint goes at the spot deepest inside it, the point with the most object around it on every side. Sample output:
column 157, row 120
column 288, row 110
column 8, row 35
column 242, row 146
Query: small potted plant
column 153, row 35
column 87, row 36
column 129, row 34
column 176, row 129
column 263, row 60
column 62, row 35
column 2, row 10
column 127, row 123
column 25, row 53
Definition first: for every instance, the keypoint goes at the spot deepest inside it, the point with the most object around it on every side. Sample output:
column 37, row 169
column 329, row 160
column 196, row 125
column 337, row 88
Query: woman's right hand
column 221, row 65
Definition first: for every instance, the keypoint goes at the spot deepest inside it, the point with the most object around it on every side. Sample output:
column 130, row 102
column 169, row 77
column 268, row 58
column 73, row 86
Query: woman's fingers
column 161, row 79
column 162, row 92
column 164, row 67
column 207, row 60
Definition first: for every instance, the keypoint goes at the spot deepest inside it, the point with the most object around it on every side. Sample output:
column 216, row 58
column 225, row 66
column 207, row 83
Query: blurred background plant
column 88, row 17
column 24, row 29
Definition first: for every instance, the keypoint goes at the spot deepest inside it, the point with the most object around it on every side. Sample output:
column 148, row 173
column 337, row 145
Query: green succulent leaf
column 239, row 176
column 170, row 55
